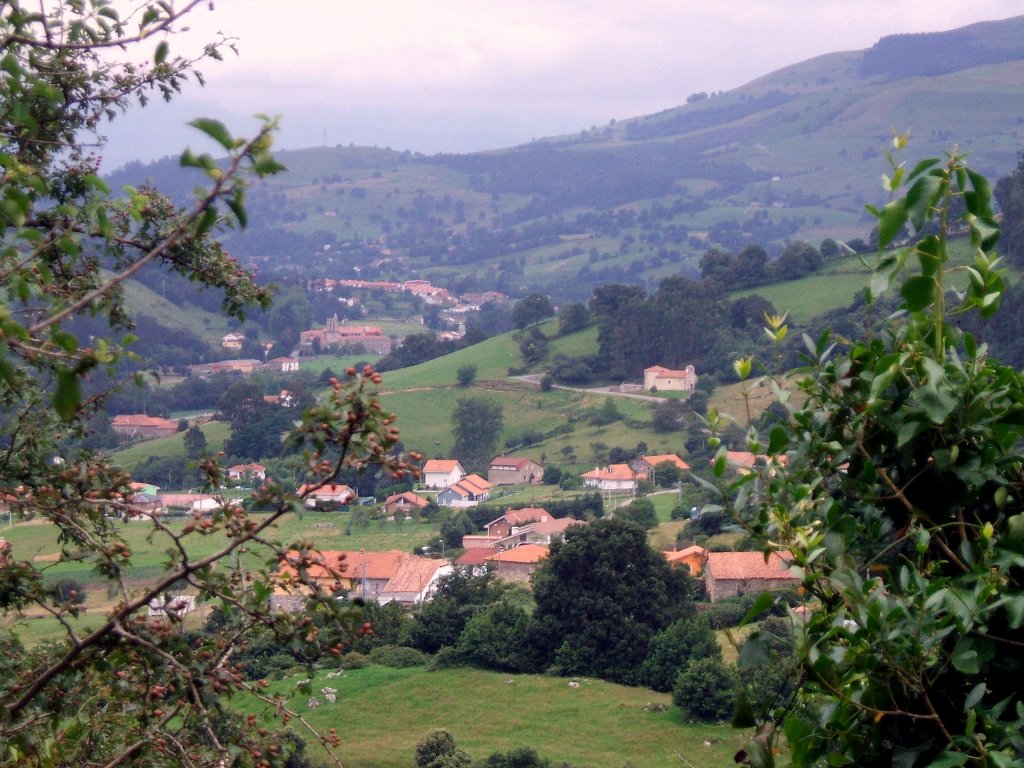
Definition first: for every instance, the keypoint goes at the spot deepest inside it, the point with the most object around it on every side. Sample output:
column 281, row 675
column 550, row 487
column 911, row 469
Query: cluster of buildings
column 245, row 366
column 336, row 336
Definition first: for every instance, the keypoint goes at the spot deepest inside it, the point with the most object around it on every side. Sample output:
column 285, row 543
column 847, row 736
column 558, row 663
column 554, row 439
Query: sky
column 467, row 75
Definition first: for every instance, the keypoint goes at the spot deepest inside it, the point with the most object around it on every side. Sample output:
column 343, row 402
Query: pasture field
column 381, row 713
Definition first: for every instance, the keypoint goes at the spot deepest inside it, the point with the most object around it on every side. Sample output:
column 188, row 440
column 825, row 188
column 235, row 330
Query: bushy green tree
column 602, row 594
column 438, row 750
column 705, row 689
column 901, row 506
column 494, row 638
column 477, row 423
column 686, row 639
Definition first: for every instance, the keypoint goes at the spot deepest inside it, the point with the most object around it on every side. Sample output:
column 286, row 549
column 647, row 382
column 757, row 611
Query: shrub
column 438, row 750
column 398, row 657
column 354, row 660
column 447, row 657
column 705, row 690
column 683, row 641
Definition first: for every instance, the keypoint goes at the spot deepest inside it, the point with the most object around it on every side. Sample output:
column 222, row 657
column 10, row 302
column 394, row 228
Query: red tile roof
column 554, row 524
column 408, row 497
column 746, row 565
column 658, row 459
column 612, row 472
column 524, row 553
column 441, row 465
column 329, row 491
column 511, row 461
column 524, row 515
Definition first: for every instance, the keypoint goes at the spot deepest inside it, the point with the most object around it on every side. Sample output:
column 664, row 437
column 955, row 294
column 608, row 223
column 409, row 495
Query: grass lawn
column 381, row 713
column 216, row 432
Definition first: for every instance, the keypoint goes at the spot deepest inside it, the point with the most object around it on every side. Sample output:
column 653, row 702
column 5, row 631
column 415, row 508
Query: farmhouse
column 665, row 379
column 440, row 473
column 542, row 532
column 284, row 364
column 518, row 563
column 514, row 519
column 513, row 470
column 362, row 574
column 614, row 477
column 138, row 425
column 728, row 574
column 232, row 341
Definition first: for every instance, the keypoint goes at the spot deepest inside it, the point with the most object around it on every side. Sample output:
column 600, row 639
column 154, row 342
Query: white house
column 441, row 473
column 614, row 477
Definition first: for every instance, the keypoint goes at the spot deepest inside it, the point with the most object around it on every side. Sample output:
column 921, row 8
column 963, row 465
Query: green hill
column 794, row 154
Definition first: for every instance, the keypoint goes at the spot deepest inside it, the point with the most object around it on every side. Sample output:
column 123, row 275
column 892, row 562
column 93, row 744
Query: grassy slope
column 381, row 713
column 217, row 433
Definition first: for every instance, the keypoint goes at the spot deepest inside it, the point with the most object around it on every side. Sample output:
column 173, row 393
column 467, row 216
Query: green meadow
column 381, row 713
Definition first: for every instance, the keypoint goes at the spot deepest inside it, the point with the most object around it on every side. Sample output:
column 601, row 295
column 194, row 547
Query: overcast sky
column 465, row 75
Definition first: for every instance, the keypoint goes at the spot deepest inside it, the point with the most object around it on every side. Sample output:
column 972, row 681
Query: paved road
column 534, row 378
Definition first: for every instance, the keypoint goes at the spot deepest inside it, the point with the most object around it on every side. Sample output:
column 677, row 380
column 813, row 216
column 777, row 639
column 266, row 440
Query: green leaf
column 68, row 394
column 161, row 52
column 778, row 439
column 763, row 602
column 975, row 696
column 979, row 202
column 965, row 658
column 920, row 199
column 918, row 292
column 215, row 129
column 890, row 221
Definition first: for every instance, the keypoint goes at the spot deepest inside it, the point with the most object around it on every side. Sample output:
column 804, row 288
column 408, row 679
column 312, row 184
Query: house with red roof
column 518, row 563
column 660, row 379
column 514, row 470
column 360, row 573
column 541, row 532
column 415, row 581
column 515, row 518
column 645, row 464
column 251, row 471
column 404, row 503
column 729, row 574
column 613, row 477
column 467, row 492
column 440, row 473
column 329, row 495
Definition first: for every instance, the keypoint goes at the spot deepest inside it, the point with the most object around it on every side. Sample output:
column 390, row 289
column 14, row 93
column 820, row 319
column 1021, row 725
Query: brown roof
column 470, row 485
column 746, row 565
column 409, row 497
column 658, row 459
column 612, row 472
column 253, row 467
column 524, row 553
column 513, row 461
column 555, row 524
column 695, row 551
column 524, row 515
column 476, row 556
column 413, row 575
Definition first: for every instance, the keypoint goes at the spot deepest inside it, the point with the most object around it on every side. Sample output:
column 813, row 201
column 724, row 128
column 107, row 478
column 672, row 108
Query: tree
column 668, row 415
column 639, row 511
column 533, row 346
column 465, row 375
column 477, row 423
column 900, row 503
column 532, row 309
column 127, row 691
column 1009, row 191
column 438, row 750
column 459, row 596
column 195, row 442
column 667, row 473
column 705, row 689
column 602, row 594
column 689, row 638
column 572, row 318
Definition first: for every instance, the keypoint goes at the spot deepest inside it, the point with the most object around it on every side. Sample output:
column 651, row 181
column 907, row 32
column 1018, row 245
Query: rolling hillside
column 793, row 154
